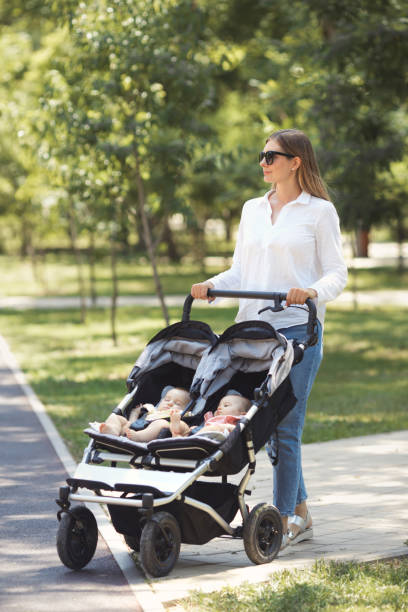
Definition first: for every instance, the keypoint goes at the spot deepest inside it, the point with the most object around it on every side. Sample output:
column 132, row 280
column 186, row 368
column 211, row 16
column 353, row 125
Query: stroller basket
column 164, row 501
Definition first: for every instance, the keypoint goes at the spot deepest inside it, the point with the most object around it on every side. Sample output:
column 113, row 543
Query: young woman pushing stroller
column 288, row 241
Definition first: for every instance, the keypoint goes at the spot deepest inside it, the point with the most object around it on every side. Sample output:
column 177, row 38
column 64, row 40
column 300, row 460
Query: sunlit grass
column 330, row 587
column 57, row 275
column 372, row 279
column 80, row 375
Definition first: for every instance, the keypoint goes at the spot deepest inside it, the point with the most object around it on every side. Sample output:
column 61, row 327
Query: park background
column 130, row 133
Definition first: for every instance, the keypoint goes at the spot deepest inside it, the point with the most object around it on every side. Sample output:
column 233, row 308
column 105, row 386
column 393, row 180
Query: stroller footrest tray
column 114, row 478
column 193, row 447
column 94, row 485
column 119, row 443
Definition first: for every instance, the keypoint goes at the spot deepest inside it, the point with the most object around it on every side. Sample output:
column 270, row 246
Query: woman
column 288, row 241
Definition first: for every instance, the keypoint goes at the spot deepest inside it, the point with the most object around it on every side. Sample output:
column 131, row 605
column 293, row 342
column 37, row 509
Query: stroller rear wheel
column 262, row 534
column 160, row 544
column 77, row 537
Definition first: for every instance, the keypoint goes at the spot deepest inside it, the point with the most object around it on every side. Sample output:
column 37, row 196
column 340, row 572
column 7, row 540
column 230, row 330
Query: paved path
column 358, row 498
column 362, row 298
column 32, row 578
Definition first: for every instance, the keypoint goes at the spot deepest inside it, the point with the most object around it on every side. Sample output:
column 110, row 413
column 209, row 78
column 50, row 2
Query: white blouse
column 301, row 249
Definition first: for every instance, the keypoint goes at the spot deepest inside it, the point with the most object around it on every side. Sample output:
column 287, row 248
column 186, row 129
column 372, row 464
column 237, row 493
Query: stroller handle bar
column 276, row 298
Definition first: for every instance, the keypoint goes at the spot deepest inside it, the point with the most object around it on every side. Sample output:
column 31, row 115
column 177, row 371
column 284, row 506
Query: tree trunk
column 199, row 247
column 114, row 274
column 228, row 227
column 168, row 238
column 91, row 260
column 362, row 242
column 147, row 237
column 26, row 236
column 353, row 272
column 123, row 231
column 78, row 259
column 400, row 240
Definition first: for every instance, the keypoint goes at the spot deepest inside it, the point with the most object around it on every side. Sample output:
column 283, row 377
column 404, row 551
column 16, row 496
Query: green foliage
column 180, row 94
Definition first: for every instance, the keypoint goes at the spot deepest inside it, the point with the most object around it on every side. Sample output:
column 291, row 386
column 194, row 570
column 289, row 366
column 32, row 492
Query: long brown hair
column 295, row 142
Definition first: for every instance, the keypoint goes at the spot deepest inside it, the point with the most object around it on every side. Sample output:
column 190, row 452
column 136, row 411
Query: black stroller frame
column 163, row 500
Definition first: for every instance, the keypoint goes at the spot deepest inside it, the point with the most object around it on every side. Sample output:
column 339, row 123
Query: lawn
column 332, row 587
column 80, row 376
column 57, row 276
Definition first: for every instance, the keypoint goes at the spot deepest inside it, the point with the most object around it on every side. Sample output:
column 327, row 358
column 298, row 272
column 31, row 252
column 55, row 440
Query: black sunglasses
column 270, row 156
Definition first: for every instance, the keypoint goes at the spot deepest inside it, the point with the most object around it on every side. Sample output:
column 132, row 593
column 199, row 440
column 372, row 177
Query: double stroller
column 176, row 490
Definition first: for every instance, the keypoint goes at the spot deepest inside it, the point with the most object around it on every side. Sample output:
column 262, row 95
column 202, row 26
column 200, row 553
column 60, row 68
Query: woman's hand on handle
column 296, row 295
column 199, row 291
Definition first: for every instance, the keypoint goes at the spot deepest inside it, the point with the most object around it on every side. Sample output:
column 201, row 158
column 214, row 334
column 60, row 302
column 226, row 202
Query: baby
column 175, row 400
column 229, row 411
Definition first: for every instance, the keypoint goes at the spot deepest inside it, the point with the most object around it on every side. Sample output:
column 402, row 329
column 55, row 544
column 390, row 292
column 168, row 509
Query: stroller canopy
column 170, row 358
column 247, row 347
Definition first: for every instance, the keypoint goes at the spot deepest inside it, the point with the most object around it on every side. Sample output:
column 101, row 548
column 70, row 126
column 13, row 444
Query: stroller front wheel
column 262, row 534
column 160, row 544
column 77, row 537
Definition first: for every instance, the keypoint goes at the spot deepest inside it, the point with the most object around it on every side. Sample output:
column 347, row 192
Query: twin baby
column 174, row 400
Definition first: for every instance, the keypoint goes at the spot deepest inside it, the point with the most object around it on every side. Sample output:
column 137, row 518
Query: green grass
column 57, row 276
column 372, row 279
column 80, row 376
column 332, row 587
column 362, row 384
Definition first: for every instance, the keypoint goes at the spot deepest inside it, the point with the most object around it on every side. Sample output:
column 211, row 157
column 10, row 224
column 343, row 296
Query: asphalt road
column 32, row 577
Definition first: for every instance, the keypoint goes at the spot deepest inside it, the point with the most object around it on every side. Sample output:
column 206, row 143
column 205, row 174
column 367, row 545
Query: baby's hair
column 246, row 404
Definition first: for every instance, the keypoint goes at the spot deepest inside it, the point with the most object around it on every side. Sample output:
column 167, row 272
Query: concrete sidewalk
column 358, row 498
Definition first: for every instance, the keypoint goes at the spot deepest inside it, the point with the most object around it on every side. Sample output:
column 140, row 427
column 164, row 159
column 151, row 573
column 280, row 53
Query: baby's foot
column 177, row 426
column 131, row 434
column 113, row 425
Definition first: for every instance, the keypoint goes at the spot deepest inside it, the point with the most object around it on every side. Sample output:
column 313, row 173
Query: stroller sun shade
column 247, row 356
column 246, row 348
column 170, row 358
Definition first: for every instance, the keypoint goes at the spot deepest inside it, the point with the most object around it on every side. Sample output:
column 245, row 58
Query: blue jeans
column 288, row 486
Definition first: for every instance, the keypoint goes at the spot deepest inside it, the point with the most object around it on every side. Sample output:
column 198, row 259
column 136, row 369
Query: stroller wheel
column 160, row 544
column 262, row 534
column 77, row 537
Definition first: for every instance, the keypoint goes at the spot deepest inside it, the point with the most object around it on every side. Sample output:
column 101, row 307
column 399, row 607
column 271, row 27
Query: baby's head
column 233, row 404
column 176, row 397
